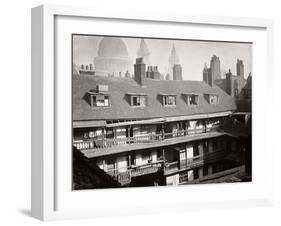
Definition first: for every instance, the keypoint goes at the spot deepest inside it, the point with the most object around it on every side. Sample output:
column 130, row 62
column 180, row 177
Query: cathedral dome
column 112, row 58
column 112, row 47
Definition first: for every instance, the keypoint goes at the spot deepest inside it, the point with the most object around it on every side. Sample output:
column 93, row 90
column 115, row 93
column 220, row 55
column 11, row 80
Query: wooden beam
column 85, row 124
column 129, row 163
column 164, row 159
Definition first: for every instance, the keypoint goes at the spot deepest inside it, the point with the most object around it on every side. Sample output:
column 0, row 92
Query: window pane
column 142, row 101
column 136, row 101
column 213, row 99
column 195, row 150
column 100, row 103
column 188, row 100
column 106, row 102
column 171, row 100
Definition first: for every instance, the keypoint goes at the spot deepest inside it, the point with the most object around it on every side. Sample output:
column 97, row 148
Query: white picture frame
column 47, row 164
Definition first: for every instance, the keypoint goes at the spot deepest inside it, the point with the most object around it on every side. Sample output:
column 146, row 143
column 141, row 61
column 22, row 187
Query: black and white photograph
column 160, row 112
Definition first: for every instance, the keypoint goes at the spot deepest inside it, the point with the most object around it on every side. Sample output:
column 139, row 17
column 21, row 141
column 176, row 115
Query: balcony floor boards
column 97, row 152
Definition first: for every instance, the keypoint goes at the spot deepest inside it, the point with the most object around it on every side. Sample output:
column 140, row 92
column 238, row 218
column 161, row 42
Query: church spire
column 144, row 52
column 173, row 59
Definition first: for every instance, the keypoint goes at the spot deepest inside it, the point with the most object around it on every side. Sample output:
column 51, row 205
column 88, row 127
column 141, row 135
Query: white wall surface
column 15, row 112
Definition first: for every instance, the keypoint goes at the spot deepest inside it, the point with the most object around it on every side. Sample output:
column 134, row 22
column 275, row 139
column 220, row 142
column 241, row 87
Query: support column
column 102, row 136
column 114, row 136
column 115, row 169
column 163, row 132
column 210, row 169
column 186, row 128
column 164, row 160
column 201, row 147
column 129, row 160
column 200, row 172
column 190, row 175
column 205, row 125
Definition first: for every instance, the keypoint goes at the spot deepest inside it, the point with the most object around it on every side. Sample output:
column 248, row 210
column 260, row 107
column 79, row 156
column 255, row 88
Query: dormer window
column 212, row 98
column 99, row 97
column 138, row 99
column 100, row 100
column 191, row 99
column 169, row 99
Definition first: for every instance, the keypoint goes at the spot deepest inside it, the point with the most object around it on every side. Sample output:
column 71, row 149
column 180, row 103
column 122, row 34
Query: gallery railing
column 134, row 171
column 140, row 139
column 196, row 161
column 169, row 167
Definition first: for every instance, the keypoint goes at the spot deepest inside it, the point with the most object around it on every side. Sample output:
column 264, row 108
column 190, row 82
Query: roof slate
column 120, row 106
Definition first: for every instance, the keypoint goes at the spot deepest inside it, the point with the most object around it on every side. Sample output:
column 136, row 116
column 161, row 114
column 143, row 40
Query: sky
column 192, row 54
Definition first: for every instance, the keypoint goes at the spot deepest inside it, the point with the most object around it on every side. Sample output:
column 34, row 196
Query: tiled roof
column 120, row 108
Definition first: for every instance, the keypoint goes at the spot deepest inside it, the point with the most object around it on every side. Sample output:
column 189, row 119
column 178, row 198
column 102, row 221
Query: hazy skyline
column 192, row 54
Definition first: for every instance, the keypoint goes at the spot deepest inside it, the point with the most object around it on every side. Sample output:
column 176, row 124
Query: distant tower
column 173, row 59
column 206, row 74
column 215, row 67
column 229, row 83
column 143, row 52
column 240, row 68
column 168, row 77
column 177, row 72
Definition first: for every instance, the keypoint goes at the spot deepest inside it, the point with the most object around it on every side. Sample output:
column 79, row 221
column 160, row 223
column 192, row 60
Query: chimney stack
column 139, row 68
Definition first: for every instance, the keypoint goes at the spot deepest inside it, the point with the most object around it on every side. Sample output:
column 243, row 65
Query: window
column 195, row 150
column 213, row 99
column 100, row 100
column 169, row 100
column 192, row 99
column 195, row 173
column 215, row 145
column 146, row 156
column 138, row 101
column 205, row 170
column 205, row 146
column 110, row 165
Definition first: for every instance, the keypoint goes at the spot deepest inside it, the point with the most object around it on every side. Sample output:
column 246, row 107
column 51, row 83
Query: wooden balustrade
column 138, row 170
column 195, row 161
column 141, row 139
column 170, row 167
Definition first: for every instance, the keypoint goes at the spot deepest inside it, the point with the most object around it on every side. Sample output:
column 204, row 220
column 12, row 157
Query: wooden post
column 115, row 169
column 92, row 100
column 114, row 136
column 164, row 160
column 129, row 163
column 205, row 125
column 103, row 164
column 130, row 129
column 163, row 132
column 186, row 160
column 102, row 136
